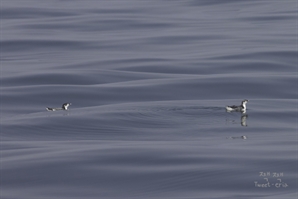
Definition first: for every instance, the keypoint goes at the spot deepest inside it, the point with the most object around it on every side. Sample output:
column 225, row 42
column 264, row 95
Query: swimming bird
column 241, row 137
column 242, row 107
column 64, row 107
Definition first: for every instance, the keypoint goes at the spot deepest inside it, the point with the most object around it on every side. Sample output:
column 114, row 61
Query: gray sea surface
column 148, row 82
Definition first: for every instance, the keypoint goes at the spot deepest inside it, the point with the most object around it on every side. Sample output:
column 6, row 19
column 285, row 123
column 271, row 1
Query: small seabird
column 242, row 107
column 64, row 107
column 241, row 137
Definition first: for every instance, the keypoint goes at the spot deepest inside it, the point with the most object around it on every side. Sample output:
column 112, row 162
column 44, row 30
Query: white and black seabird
column 64, row 107
column 242, row 107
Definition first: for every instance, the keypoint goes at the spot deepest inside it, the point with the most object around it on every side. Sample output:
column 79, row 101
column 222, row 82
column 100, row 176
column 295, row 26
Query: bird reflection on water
column 243, row 119
column 240, row 137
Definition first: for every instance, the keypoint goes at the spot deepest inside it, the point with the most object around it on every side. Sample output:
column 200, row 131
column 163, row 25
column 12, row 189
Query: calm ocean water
column 148, row 82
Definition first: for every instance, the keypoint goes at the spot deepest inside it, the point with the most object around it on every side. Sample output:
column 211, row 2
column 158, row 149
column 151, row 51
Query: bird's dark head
column 66, row 105
column 244, row 101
